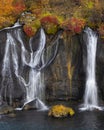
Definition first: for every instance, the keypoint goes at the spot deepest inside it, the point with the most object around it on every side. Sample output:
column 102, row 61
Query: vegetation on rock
column 9, row 11
column 60, row 111
column 6, row 109
column 74, row 24
column 70, row 74
column 75, row 15
column 18, row 6
column 50, row 23
column 101, row 30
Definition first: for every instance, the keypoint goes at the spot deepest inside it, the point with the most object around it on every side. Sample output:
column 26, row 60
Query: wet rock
column 60, row 85
column 5, row 109
column 12, row 115
column 28, row 107
column 100, row 67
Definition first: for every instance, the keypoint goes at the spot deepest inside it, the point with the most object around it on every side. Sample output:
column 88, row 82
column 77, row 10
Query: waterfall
column 34, row 86
column 91, row 94
column 22, row 66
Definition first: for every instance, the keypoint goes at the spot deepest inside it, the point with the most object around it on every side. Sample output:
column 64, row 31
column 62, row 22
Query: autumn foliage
column 101, row 30
column 59, row 111
column 31, row 29
column 9, row 11
column 6, row 7
column 28, row 30
column 18, row 6
column 50, row 24
column 75, row 15
column 49, row 19
column 74, row 24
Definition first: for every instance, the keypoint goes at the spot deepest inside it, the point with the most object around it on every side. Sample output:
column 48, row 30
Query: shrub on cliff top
column 74, row 24
column 30, row 23
column 50, row 23
column 85, row 11
column 31, row 29
column 9, row 11
column 101, row 30
column 19, row 6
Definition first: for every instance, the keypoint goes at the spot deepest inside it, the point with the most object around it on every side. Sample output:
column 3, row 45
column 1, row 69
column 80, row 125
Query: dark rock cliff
column 65, row 76
column 100, row 67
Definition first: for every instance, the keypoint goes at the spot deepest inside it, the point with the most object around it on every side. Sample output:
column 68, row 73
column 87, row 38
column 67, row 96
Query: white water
column 17, row 24
column 91, row 94
column 35, row 84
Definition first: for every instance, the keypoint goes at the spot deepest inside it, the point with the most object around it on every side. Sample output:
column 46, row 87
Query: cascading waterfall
column 91, row 95
column 17, row 58
column 35, row 85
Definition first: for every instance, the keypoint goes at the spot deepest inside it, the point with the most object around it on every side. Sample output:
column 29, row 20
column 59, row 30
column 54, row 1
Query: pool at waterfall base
column 39, row 120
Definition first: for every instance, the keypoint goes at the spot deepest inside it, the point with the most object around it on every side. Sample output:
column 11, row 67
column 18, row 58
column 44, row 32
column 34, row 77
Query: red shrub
column 49, row 19
column 74, row 24
column 19, row 6
column 101, row 30
column 28, row 30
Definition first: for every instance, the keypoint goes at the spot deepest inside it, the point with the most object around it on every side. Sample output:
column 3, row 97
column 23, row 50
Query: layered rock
column 100, row 67
column 64, row 78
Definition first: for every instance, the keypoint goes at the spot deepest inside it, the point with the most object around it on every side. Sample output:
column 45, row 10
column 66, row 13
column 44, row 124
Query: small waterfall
column 34, row 87
column 91, row 95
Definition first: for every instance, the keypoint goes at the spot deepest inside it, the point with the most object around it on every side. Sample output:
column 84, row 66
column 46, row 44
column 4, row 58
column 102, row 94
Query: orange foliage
column 19, row 6
column 44, row 2
column 79, row 10
column 101, row 30
column 9, row 10
column 50, row 23
column 37, row 12
column 28, row 30
column 74, row 24
column 49, row 19
column 6, row 11
column 6, row 7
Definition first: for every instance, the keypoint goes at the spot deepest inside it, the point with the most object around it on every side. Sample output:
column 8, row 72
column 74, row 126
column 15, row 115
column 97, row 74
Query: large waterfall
column 23, row 64
column 91, row 94
column 34, row 83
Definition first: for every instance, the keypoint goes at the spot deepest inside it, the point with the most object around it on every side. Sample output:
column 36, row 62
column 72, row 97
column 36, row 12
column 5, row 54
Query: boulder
column 6, row 109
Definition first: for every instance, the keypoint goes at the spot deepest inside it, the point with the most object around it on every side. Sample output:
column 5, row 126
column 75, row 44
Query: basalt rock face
column 100, row 67
column 64, row 78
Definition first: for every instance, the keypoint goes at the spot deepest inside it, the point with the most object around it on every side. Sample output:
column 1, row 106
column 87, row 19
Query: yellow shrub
column 61, row 111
